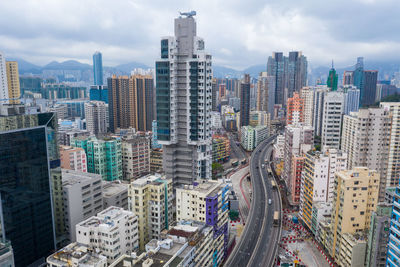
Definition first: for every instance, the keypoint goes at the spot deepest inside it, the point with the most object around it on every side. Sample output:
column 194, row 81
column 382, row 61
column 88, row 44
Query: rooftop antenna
column 188, row 14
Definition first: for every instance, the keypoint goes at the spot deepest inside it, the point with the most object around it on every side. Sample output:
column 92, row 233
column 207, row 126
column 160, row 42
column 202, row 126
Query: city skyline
column 251, row 31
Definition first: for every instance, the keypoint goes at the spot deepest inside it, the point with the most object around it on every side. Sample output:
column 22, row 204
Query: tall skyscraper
column 296, row 77
column 245, row 101
column 14, row 91
column 98, row 68
column 332, row 81
column 318, row 108
column 183, row 84
column 368, row 92
column 351, row 99
column 143, row 87
column 29, row 167
column 276, row 68
column 290, row 74
column 3, row 80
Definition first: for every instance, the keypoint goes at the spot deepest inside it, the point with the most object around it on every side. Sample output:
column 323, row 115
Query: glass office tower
column 28, row 161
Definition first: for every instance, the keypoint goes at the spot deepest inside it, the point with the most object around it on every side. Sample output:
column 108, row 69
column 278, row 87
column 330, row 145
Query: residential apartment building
column 135, row 156
column 251, row 137
column 151, row 199
column 393, row 168
column 14, row 90
column 113, row 232
column 355, row 199
column 82, row 198
column 206, row 202
column 351, row 99
column 183, row 85
column 317, row 182
column 73, row 158
column 307, row 94
column 156, row 160
column 221, row 148
column 260, row 118
column 3, row 80
column 266, row 93
column 332, row 120
column 104, row 156
column 295, row 109
column 297, row 167
column 96, row 114
column 298, row 140
column 366, row 140
column 320, row 93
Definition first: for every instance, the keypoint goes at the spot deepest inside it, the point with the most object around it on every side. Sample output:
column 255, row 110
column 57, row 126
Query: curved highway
column 259, row 242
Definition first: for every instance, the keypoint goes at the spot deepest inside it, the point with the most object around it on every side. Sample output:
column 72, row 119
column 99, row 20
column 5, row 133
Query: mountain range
column 385, row 69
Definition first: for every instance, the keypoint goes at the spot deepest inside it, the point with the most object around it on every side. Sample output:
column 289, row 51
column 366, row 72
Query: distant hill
column 25, row 66
column 67, row 65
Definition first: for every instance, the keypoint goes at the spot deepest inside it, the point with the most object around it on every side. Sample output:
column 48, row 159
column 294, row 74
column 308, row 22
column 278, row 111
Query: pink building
column 297, row 167
column 73, row 158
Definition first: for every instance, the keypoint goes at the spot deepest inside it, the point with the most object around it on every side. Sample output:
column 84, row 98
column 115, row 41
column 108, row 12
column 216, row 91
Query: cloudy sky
column 238, row 33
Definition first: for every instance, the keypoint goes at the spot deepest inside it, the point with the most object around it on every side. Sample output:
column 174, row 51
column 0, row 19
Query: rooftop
column 71, row 177
column 113, row 188
column 78, row 253
column 106, row 218
column 148, row 179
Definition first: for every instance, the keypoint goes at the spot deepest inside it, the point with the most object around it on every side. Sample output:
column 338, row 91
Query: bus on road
column 235, row 163
column 276, row 218
column 244, row 161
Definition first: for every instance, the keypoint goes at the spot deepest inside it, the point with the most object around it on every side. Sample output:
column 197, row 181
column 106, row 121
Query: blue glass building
column 28, row 164
column 393, row 254
column 98, row 68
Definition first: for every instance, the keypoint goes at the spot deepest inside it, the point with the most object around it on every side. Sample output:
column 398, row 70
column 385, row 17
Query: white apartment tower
column 184, row 100
column 3, row 80
column 307, row 94
column 96, row 117
column 393, row 169
column 365, row 138
column 332, row 120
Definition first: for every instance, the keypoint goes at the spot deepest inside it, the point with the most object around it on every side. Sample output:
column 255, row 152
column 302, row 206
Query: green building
column 104, row 156
column 332, row 81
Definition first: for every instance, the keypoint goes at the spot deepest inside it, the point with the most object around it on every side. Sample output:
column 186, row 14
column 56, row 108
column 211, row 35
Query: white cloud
column 238, row 33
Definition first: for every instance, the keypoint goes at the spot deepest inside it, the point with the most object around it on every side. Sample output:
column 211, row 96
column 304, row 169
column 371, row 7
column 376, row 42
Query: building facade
column 73, row 158
column 394, row 241
column 96, row 113
column 135, row 156
column 98, row 68
column 295, row 109
column 245, row 101
column 14, row 90
column 183, row 84
column 82, row 198
column 332, row 120
column 151, row 199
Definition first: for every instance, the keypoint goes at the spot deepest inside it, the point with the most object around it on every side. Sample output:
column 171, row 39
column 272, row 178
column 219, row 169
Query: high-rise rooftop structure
column 245, row 101
column 183, row 84
column 98, row 68
column 14, row 90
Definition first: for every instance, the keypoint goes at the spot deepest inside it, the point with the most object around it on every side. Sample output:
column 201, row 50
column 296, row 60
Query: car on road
column 263, row 166
column 269, row 201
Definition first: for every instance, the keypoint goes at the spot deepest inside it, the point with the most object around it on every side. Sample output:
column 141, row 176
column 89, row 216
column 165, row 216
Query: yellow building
column 355, row 198
column 150, row 198
column 14, row 91
column 156, row 160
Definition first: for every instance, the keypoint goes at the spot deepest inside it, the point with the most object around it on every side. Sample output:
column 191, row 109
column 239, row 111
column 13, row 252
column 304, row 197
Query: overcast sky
column 238, row 33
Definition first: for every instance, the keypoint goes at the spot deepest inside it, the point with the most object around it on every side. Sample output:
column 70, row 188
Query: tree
column 217, row 170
